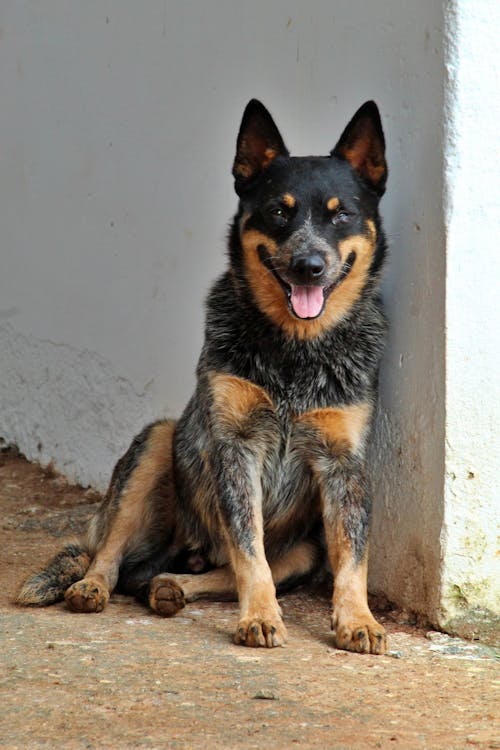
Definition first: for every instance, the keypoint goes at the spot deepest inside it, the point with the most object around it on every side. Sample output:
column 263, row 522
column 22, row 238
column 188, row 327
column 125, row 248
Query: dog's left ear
column 362, row 144
column 259, row 142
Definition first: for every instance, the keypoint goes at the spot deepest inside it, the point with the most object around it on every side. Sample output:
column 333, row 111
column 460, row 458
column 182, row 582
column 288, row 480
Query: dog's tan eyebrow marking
column 289, row 200
column 332, row 204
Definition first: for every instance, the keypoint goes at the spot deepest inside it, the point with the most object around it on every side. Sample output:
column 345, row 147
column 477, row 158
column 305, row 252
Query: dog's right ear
column 259, row 142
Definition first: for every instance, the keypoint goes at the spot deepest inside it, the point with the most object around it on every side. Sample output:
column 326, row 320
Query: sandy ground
column 125, row 678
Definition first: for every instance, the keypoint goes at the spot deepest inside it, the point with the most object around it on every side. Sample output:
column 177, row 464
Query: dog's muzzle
column 306, row 286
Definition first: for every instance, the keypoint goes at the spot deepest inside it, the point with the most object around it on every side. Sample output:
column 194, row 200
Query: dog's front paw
column 88, row 595
column 166, row 597
column 261, row 631
column 358, row 632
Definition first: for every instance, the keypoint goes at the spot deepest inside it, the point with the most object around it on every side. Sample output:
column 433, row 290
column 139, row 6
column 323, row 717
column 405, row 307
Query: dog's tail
column 48, row 586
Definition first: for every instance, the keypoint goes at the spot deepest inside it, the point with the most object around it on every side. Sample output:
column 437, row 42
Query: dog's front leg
column 335, row 448
column 244, row 431
column 346, row 515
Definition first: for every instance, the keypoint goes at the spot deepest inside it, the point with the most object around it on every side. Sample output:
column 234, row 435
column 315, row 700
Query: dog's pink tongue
column 307, row 301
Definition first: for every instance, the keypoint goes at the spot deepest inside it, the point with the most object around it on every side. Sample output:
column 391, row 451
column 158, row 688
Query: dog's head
column 308, row 227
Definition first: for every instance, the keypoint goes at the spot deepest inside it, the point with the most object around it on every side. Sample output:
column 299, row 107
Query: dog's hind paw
column 166, row 597
column 88, row 595
column 261, row 631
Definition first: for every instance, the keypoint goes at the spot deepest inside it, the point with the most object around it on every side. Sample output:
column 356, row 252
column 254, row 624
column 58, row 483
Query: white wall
column 471, row 566
column 116, row 190
column 118, row 128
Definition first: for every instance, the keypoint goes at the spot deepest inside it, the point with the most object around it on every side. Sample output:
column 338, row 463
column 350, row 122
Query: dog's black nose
column 307, row 268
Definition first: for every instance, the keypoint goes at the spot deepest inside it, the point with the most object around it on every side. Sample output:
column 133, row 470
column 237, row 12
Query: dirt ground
column 125, row 678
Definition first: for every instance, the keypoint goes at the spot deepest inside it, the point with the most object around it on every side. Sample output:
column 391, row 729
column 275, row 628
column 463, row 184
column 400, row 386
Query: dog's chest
column 298, row 385
column 289, row 494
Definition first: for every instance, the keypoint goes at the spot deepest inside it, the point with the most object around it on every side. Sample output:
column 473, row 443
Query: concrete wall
column 118, row 140
column 471, row 566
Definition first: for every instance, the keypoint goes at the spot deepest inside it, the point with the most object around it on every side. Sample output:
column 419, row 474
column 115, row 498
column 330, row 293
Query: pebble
column 265, row 695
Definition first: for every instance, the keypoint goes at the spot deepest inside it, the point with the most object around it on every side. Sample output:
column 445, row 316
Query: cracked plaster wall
column 67, row 406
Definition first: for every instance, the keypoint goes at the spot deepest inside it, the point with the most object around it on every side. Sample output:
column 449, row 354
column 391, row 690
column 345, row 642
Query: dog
column 263, row 477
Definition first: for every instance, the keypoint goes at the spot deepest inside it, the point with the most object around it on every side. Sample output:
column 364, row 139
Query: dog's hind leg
column 138, row 515
column 169, row 593
column 109, row 530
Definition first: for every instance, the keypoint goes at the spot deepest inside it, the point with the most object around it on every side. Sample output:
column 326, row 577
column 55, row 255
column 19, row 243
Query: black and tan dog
column 266, row 465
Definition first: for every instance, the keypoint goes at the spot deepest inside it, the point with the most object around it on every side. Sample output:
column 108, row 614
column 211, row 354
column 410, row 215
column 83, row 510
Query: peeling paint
column 67, row 407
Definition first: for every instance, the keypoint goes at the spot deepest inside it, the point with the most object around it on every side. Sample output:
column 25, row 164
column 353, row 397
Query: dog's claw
column 365, row 637
column 260, row 632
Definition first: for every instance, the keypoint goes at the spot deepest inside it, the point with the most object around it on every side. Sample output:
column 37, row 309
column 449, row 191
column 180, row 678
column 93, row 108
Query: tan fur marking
column 332, row 204
column 266, row 289
column 218, row 584
column 350, row 577
column 360, row 158
column 129, row 517
column 298, row 561
column 244, row 170
column 255, row 583
column 269, row 155
column 345, row 426
column 345, row 295
column 270, row 297
column 252, row 238
column 372, row 230
column 235, row 398
column 289, row 200
column 260, row 622
column 253, row 156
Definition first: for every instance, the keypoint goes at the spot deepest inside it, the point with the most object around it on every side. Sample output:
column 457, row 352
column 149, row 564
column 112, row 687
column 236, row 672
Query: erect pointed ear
column 362, row 144
column 259, row 142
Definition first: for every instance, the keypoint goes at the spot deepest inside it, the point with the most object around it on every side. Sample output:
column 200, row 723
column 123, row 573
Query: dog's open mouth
column 307, row 301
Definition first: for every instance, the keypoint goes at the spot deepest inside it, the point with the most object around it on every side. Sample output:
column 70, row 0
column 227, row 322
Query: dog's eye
column 340, row 217
column 278, row 215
